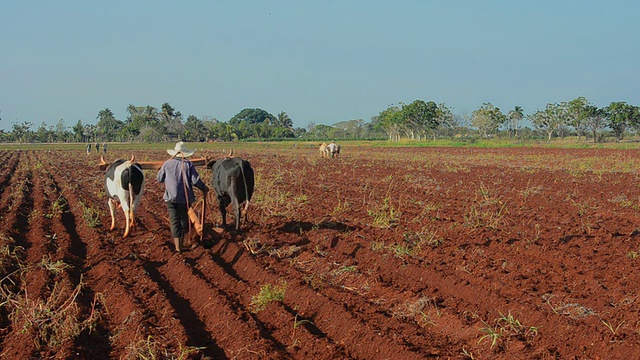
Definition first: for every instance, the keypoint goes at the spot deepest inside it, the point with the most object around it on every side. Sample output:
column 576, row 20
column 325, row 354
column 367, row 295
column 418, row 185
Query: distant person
column 104, row 148
column 333, row 149
column 88, row 148
column 179, row 176
column 98, row 147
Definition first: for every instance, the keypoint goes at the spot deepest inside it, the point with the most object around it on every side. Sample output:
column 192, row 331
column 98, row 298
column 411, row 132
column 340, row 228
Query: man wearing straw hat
column 179, row 176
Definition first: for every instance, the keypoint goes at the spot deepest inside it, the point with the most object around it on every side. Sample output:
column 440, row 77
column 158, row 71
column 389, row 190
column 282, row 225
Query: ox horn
column 132, row 158
column 102, row 162
column 230, row 153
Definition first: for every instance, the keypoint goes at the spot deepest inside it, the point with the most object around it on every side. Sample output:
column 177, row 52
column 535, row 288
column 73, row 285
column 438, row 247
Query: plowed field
column 403, row 253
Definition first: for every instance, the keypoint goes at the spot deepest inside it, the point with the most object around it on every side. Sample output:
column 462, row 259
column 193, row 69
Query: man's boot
column 178, row 243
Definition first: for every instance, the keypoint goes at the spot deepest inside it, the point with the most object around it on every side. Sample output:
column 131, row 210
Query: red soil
column 385, row 253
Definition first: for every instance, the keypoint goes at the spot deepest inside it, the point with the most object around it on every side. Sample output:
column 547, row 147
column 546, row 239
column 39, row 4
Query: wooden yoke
column 156, row 165
column 153, row 165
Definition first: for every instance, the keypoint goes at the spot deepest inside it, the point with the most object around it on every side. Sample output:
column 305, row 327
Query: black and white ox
column 124, row 184
column 232, row 180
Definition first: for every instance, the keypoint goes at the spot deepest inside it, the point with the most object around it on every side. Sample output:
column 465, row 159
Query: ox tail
column 246, row 194
column 131, row 203
column 131, row 220
column 129, row 217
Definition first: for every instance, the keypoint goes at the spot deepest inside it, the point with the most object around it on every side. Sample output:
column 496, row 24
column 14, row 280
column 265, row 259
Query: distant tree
column 22, row 132
column 487, row 119
column 149, row 133
column 108, row 127
column 445, row 119
column 142, row 117
column 252, row 116
column 419, row 118
column 621, row 116
column 171, row 120
column 282, row 126
column 311, row 126
column 322, row 131
column 578, row 113
column 513, row 120
column 221, row 131
column 283, row 120
column 390, row 121
column 351, row 128
column 194, row 129
column 551, row 119
column 596, row 120
column 299, row 132
column 78, row 131
column 44, row 133
column 62, row 134
column 89, row 133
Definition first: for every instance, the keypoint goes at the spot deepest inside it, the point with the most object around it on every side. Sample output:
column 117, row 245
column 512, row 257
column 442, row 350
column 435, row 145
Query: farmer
column 179, row 176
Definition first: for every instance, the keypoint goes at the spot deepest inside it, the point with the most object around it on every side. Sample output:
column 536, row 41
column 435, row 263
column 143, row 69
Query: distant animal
column 124, row 184
column 233, row 182
column 324, row 151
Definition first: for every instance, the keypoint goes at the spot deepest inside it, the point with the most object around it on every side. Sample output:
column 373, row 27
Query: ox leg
column 236, row 212
column 245, row 211
column 222, row 205
column 127, row 216
column 112, row 208
column 133, row 220
column 223, row 213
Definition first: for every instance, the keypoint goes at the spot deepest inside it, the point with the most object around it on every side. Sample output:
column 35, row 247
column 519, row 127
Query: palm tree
column 515, row 116
column 284, row 120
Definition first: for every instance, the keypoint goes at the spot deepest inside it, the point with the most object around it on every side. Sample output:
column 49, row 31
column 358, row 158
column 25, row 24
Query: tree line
column 419, row 120
column 578, row 117
column 149, row 124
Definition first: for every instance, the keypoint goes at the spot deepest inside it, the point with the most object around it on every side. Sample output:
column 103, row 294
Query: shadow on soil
column 295, row 227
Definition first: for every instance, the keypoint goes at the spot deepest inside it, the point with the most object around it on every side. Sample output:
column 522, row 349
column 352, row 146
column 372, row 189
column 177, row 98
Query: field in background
column 389, row 252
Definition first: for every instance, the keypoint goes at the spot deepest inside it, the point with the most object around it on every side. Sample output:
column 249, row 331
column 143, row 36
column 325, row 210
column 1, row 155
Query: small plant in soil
column 268, row 293
column 341, row 207
column 385, row 216
column 493, row 334
column 91, row 216
column 149, row 348
column 59, row 206
column 612, row 329
column 54, row 320
column 507, row 326
column 55, row 267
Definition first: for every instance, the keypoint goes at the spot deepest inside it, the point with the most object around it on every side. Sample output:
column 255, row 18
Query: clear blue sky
column 321, row 61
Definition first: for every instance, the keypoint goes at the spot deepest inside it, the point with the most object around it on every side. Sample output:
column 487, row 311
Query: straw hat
column 180, row 150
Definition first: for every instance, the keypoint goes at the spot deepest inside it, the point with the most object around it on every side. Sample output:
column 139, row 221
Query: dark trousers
column 179, row 219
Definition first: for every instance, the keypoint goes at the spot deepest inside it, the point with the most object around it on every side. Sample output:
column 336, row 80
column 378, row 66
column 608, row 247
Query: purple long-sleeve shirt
column 171, row 174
